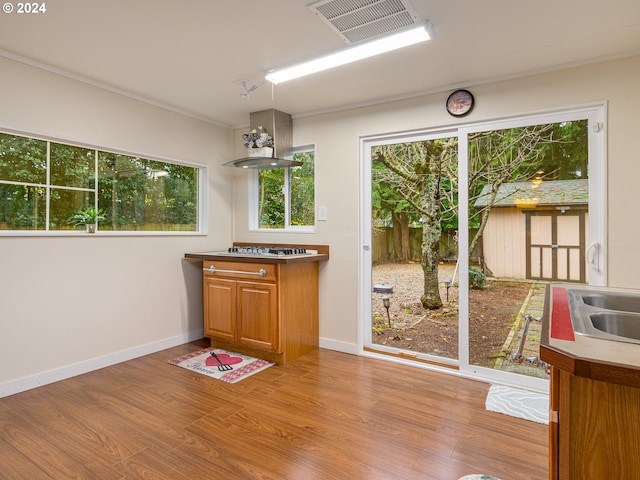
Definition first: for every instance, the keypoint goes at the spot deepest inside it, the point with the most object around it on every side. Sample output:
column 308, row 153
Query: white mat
column 478, row 476
column 518, row 403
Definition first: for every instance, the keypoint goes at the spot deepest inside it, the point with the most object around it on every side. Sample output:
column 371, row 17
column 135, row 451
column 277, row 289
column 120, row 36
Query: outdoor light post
column 386, row 301
column 447, row 284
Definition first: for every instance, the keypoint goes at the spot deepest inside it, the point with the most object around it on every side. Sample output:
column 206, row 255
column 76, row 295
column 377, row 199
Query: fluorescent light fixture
column 369, row 49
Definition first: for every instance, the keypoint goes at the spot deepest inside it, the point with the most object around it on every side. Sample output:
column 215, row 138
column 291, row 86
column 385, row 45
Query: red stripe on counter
column 561, row 326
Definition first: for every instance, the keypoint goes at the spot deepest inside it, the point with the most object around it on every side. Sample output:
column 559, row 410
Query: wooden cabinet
column 239, row 311
column 220, row 308
column 596, row 431
column 594, row 421
column 257, row 316
column 262, row 309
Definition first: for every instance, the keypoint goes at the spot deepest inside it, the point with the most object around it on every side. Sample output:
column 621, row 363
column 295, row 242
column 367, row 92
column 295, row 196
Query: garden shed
column 536, row 230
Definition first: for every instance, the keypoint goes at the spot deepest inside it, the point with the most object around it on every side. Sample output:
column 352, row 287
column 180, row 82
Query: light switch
column 322, row 213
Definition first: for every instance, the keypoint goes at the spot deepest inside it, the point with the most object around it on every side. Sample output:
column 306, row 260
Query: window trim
column 253, row 199
column 203, row 194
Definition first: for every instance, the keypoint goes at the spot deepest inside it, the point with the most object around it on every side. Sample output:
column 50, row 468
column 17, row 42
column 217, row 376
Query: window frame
column 202, row 201
column 254, row 183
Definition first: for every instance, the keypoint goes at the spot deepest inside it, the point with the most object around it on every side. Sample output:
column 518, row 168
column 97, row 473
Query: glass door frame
column 365, row 335
column 597, row 228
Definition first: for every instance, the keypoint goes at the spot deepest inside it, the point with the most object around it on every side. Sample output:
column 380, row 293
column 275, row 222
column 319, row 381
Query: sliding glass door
column 463, row 229
column 413, row 208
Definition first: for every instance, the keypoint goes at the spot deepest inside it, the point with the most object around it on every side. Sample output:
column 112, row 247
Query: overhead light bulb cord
column 248, row 87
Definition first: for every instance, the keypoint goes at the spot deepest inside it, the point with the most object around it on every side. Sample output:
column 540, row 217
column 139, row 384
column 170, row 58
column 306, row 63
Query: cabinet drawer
column 239, row 270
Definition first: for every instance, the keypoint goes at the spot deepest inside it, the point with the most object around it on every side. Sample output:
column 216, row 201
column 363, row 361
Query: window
column 43, row 183
column 284, row 198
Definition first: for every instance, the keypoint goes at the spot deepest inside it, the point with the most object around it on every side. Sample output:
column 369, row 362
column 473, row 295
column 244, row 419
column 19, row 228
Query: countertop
column 321, row 256
column 589, row 357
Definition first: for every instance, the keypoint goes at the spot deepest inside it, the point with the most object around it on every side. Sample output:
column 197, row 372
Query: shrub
column 477, row 279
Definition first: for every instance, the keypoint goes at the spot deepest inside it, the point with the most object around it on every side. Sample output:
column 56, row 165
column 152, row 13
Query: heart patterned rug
column 221, row 364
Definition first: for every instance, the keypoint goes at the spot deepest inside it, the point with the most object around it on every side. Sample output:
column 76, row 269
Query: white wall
column 70, row 304
column 147, row 297
column 337, row 171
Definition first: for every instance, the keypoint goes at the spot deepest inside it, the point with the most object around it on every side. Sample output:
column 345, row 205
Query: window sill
column 74, row 234
column 284, row 230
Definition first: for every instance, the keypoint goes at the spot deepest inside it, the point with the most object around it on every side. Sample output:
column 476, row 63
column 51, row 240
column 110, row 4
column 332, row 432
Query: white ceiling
column 189, row 54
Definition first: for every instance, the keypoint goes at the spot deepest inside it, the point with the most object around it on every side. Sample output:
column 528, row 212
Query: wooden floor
column 327, row 415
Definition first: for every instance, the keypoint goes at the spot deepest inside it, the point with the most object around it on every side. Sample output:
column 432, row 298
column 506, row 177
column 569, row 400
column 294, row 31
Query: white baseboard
column 27, row 383
column 44, row 378
column 343, row 347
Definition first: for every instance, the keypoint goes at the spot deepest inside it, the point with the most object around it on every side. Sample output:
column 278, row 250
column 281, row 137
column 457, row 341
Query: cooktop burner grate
column 267, row 251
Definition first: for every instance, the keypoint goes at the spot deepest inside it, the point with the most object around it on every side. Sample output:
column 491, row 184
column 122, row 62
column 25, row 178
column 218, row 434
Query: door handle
column 593, row 256
column 212, row 269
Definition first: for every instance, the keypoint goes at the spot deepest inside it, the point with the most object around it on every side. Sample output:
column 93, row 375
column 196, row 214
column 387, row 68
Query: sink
column 604, row 314
column 617, row 323
column 613, row 301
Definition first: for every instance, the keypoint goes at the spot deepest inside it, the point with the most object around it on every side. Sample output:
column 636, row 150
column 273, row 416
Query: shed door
column 556, row 245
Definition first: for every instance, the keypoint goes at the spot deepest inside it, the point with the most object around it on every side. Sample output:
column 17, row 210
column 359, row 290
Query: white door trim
column 595, row 114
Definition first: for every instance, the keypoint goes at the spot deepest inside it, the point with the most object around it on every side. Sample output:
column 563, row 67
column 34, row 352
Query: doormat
column 518, row 403
column 230, row 367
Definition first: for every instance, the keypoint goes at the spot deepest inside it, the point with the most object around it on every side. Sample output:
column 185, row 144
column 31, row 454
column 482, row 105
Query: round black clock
column 460, row 103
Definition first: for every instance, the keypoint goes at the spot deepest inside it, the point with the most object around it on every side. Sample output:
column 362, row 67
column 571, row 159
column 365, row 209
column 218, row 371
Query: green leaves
column 87, row 216
column 292, row 188
column 44, row 181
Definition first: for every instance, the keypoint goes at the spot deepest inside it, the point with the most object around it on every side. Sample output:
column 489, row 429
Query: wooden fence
column 383, row 249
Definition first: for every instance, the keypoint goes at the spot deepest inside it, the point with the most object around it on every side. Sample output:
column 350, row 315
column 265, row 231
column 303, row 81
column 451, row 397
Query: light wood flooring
column 326, row 415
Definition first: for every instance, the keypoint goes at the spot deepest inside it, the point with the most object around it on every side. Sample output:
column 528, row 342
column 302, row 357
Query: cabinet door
column 599, row 429
column 219, row 308
column 257, row 315
column 554, row 429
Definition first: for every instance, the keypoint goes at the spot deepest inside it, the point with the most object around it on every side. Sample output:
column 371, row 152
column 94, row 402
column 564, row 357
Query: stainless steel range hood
column 280, row 126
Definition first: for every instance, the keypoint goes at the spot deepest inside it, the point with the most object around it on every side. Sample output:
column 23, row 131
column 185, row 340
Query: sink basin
column 613, row 301
column 604, row 314
column 617, row 323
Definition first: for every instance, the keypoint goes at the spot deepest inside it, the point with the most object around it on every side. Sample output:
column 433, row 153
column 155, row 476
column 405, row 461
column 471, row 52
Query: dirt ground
column 493, row 311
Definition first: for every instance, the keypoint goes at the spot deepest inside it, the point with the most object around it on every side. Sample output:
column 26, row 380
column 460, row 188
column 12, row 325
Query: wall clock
column 460, row 103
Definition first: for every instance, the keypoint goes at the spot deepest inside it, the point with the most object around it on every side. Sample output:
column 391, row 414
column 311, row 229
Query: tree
column 501, row 156
column 138, row 192
column 556, row 151
column 42, row 183
column 417, row 172
column 302, row 188
column 567, row 157
column 24, row 160
column 272, row 201
column 422, row 177
column 389, row 207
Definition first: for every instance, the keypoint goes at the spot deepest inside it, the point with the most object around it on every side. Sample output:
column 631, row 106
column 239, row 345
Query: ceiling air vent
column 359, row 20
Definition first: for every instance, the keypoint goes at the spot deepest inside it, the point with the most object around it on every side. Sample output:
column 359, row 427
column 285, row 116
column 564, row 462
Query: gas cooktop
column 268, row 251
column 259, row 250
